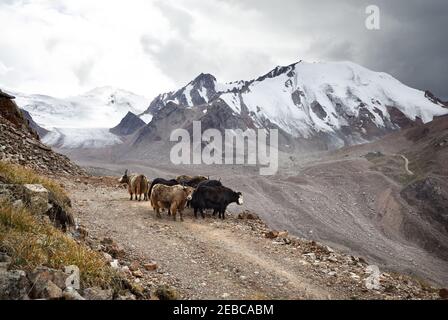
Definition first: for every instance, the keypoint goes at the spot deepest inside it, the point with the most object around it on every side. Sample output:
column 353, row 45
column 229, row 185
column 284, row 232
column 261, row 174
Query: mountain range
column 325, row 105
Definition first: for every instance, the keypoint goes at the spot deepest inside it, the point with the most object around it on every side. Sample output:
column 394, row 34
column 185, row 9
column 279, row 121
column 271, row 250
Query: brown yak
column 137, row 185
column 173, row 198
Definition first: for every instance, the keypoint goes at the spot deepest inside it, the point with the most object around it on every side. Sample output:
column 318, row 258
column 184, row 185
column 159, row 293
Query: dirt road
column 208, row 258
column 214, row 259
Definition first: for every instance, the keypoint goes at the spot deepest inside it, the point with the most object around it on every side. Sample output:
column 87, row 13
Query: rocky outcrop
column 20, row 146
column 12, row 113
column 130, row 124
column 40, row 131
column 40, row 201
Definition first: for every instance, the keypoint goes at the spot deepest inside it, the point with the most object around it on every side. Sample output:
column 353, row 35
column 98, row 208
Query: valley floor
column 231, row 259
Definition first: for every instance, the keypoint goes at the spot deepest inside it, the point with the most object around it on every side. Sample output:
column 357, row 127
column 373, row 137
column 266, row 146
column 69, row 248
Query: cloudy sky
column 65, row 47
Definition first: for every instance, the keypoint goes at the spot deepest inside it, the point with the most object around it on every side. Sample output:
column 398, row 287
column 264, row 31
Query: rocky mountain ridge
column 338, row 103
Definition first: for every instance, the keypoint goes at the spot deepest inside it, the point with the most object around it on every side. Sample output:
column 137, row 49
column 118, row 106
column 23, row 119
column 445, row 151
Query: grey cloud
column 181, row 57
column 411, row 44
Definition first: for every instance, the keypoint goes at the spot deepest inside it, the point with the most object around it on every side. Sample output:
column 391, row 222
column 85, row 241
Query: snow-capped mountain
column 199, row 91
column 340, row 100
column 82, row 121
column 101, row 107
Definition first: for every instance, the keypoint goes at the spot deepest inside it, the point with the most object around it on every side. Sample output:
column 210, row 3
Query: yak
column 137, row 185
column 210, row 183
column 191, row 181
column 173, row 198
column 169, row 183
column 216, row 198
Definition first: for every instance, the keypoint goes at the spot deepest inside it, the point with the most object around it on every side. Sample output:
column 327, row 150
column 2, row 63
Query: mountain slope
column 82, row 121
column 128, row 125
column 339, row 101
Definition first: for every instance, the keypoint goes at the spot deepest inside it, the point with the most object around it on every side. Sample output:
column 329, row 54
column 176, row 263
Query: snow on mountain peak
column 305, row 98
column 82, row 121
column 102, row 107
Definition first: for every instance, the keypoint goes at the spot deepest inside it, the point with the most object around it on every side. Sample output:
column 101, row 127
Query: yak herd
column 199, row 193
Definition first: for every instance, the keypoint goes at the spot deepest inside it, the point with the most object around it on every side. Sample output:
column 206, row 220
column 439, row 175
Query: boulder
column 373, row 281
column 96, row 293
column 37, row 198
column 45, row 290
column 71, row 294
column 73, row 277
column 14, row 285
column 44, row 274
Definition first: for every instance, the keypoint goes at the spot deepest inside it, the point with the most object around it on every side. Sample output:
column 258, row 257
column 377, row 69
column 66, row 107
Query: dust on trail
column 208, row 259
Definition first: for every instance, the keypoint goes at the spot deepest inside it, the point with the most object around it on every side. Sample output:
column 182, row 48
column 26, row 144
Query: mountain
column 331, row 104
column 82, row 121
column 199, row 91
column 99, row 108
column 128, row 125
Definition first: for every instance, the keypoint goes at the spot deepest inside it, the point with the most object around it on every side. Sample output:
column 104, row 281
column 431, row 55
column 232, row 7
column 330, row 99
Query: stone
column 443, row 293
column 46, row 290
column 166, row 293
column 127, row 296
column 108, row 257
column 37, row 198
column 126, row 270
column 71, row 294
column 373, row 281
column 113, row 248
column 311, row 255
column 283, row 234
column 14, row 284
column 60, row 278
column 96, row 293
column 137, row 273
column 151, row 266
column 134, row 266
column 248, row 215
column 73, row 277
column 5, row 261
column 272, row 234
column 114, row 264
